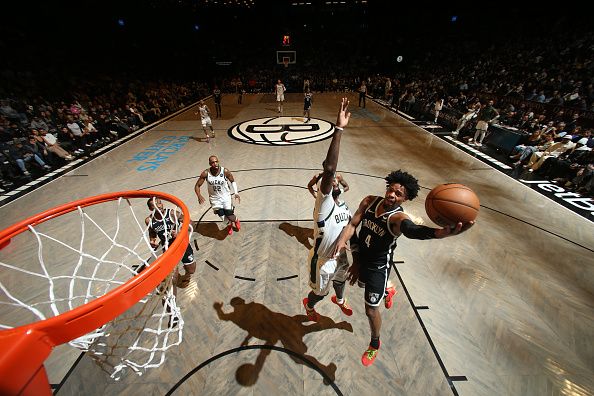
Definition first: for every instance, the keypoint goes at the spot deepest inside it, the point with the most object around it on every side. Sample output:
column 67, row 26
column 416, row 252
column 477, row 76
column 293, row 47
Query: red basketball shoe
column 369, row 356
column 311, row 313
column 230, row 229
column 236, row 225
column 344, row 307
column 389, row 300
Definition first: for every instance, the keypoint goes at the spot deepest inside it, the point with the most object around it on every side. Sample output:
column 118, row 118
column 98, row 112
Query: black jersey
column 165, row 226
column 376, row 240
column 307, row 100
column 217, row 95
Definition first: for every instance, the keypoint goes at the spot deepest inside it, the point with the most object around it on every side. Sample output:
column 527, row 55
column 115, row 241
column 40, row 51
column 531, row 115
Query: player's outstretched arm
column 234, row 190
column 331, row 161
column 199, row 183
column 312, row 183
column 349, row 230
column 343, row 183
column 403, row 224
column 153, row 239
column 447, row 231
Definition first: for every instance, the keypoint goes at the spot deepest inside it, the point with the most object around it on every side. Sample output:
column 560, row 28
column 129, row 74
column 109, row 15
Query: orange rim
column 25, row 348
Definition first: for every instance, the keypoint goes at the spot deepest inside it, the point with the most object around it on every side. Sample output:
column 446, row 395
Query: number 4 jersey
column 376, row 240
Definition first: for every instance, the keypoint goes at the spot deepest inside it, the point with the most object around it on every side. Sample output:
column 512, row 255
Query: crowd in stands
column 543, row 89
column 38, row 133
column 542, row 86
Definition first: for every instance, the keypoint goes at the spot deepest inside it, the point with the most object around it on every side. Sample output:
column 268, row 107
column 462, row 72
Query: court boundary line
column 443, row 138
column 15, row 194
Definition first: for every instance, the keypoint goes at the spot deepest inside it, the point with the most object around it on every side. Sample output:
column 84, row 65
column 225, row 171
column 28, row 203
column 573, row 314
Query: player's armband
column 414, row 231
column 234, row 186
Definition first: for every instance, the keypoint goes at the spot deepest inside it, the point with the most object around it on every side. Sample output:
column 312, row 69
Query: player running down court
column 331, row 215
column 219, row 180
column 205, row 119
column 382, row 221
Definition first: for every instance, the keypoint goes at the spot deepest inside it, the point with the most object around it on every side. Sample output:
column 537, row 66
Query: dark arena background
column 104, row 96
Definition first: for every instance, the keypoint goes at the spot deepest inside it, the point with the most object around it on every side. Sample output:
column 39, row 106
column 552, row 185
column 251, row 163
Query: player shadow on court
column 211, row 230
column 272, row 327
column 303, row 235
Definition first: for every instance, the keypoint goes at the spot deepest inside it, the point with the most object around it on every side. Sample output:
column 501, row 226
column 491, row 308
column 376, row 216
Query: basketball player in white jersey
column 280, row 89
column 219, row 181
column 205, row 119
column 331, row 215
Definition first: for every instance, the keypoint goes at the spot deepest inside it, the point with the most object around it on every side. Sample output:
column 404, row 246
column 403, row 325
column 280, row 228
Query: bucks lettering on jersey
column 218, row 187
column 329, row 220
column 203, row 111
column 376, row 240
column 165, row 226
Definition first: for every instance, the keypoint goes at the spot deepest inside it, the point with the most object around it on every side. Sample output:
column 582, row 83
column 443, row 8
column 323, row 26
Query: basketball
column 448, row 204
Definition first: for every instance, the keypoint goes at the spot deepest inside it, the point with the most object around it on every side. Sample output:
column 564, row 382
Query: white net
column 74, row 258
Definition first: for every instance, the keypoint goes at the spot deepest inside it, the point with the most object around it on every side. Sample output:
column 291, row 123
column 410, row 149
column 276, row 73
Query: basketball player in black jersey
column 216, row 93
column 382, row 221
column 163, row 227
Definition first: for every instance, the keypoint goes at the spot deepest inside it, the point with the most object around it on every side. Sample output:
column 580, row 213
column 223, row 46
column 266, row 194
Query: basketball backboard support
column 286, row 57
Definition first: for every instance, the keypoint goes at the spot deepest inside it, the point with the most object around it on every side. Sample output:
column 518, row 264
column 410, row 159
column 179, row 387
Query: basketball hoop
column 286, row 61
column 104, row 283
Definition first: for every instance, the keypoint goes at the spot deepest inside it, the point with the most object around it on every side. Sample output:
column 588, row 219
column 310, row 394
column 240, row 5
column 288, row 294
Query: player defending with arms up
column 219, row 193
column 382, row 222
column 331, row 215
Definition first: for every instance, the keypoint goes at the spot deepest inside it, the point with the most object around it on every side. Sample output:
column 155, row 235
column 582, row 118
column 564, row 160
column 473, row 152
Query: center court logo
column 281, row 131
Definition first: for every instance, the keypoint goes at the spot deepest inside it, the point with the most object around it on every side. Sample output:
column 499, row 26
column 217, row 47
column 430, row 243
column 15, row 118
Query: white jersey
column 280, row 89
column 203, row 112
column 329, row 220
column 218, row 186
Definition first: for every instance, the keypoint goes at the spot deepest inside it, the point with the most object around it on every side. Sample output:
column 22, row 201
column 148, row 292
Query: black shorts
column 188, row 256
column 376, row 281
column 224, row 212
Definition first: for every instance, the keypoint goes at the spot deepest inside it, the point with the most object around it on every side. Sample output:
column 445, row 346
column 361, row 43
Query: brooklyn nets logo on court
column 281, row 131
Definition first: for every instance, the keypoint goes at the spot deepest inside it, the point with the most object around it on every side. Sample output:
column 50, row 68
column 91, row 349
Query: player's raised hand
column 343, row 115
column 454, row 230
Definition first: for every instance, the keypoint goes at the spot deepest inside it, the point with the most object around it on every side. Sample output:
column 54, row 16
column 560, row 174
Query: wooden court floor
column 504, row 309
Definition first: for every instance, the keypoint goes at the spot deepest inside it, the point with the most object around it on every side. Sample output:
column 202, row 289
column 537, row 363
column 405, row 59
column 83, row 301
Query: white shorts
column 221, row 203
column 280, row 98
column 206, row 122
column 324, row 270
column 482, row 125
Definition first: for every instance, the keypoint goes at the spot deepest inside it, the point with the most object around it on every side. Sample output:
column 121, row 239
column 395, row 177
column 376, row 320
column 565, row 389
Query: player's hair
column 151, row 201
column 410, row 183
